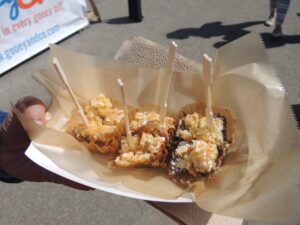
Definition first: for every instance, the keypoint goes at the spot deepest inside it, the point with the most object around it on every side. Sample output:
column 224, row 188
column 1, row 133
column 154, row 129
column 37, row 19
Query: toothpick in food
column 207, row 75
column 126, row 117
column 169, row 74
column 62, row 74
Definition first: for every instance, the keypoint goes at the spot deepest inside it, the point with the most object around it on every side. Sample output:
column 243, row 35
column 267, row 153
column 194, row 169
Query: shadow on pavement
column 271, row 42
column 215, row 29
column 120, row 20
column 231, row 32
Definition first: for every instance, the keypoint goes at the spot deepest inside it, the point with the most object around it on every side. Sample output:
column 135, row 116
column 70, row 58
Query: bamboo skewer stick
column 169, row 74
column 62, row 74
column 171, row 56
column 163, row 111
column 126, row 117
column 207, row 75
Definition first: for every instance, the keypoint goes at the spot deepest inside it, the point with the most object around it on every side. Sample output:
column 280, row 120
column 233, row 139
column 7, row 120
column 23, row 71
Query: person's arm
column 14, row 141
column 4, row 177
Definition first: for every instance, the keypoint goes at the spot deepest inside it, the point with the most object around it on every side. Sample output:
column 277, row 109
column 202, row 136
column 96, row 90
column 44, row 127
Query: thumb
column 12, row 132
column 32, row 108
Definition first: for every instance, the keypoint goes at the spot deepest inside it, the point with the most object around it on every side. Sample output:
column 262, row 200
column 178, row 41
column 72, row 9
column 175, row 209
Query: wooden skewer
column 163, row 112
column 207, row 74
column 171, row 56
column 126, row 117
column 62, row 74
column 169, row 74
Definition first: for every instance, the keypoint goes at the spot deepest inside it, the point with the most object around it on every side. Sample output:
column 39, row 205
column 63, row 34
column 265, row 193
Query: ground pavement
column 198, row 27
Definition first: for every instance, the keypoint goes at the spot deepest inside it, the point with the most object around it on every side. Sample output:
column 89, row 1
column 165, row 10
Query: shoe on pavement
column 270, row 21
column 277, row 32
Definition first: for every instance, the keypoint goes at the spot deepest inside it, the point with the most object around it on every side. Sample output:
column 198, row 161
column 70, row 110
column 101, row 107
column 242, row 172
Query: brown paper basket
column 268, row 146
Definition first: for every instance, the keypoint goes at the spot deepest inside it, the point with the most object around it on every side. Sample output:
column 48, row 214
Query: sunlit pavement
column 198, row 27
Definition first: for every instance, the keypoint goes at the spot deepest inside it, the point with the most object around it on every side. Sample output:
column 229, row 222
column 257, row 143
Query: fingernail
column 41, row 122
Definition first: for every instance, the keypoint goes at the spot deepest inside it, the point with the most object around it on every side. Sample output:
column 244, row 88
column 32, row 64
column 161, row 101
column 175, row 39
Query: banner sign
column 29, row 26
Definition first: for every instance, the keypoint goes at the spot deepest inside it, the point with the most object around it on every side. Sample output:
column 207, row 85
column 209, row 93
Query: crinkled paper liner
column 199, row 107
column 258, row 177
column 253, row 182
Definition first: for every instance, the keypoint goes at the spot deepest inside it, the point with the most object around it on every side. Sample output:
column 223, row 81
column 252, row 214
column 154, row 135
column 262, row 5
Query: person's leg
column 135, row 10
column 271, row 19
column 282, row 8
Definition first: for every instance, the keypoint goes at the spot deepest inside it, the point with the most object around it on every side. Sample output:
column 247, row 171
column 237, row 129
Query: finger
column 36, row 113
column 15, row 141
column 32, row 109
column 12, row 133
column 25, row 102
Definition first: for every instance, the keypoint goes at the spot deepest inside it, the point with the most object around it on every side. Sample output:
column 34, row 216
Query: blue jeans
column 3, row 115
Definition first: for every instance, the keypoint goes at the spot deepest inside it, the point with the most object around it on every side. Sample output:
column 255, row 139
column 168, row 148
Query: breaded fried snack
column 198, row 150
column 105, row 128
column 149, row 140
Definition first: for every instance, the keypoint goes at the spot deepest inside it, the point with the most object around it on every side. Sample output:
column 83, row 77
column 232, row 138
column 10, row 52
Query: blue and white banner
column 29, row 26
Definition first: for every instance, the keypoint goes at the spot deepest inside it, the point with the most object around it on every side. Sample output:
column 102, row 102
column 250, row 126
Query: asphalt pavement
column 198, row 27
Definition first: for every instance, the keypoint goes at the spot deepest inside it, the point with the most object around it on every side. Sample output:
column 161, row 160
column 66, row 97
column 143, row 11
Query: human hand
column 14, row 141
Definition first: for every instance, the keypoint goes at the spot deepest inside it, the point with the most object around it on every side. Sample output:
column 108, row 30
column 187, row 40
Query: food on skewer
column 192, row 147
column 105, row 128
column 198, row 150
column 149, row 140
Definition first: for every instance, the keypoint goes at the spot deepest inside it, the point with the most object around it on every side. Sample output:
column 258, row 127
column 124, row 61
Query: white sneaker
column 270, row 21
